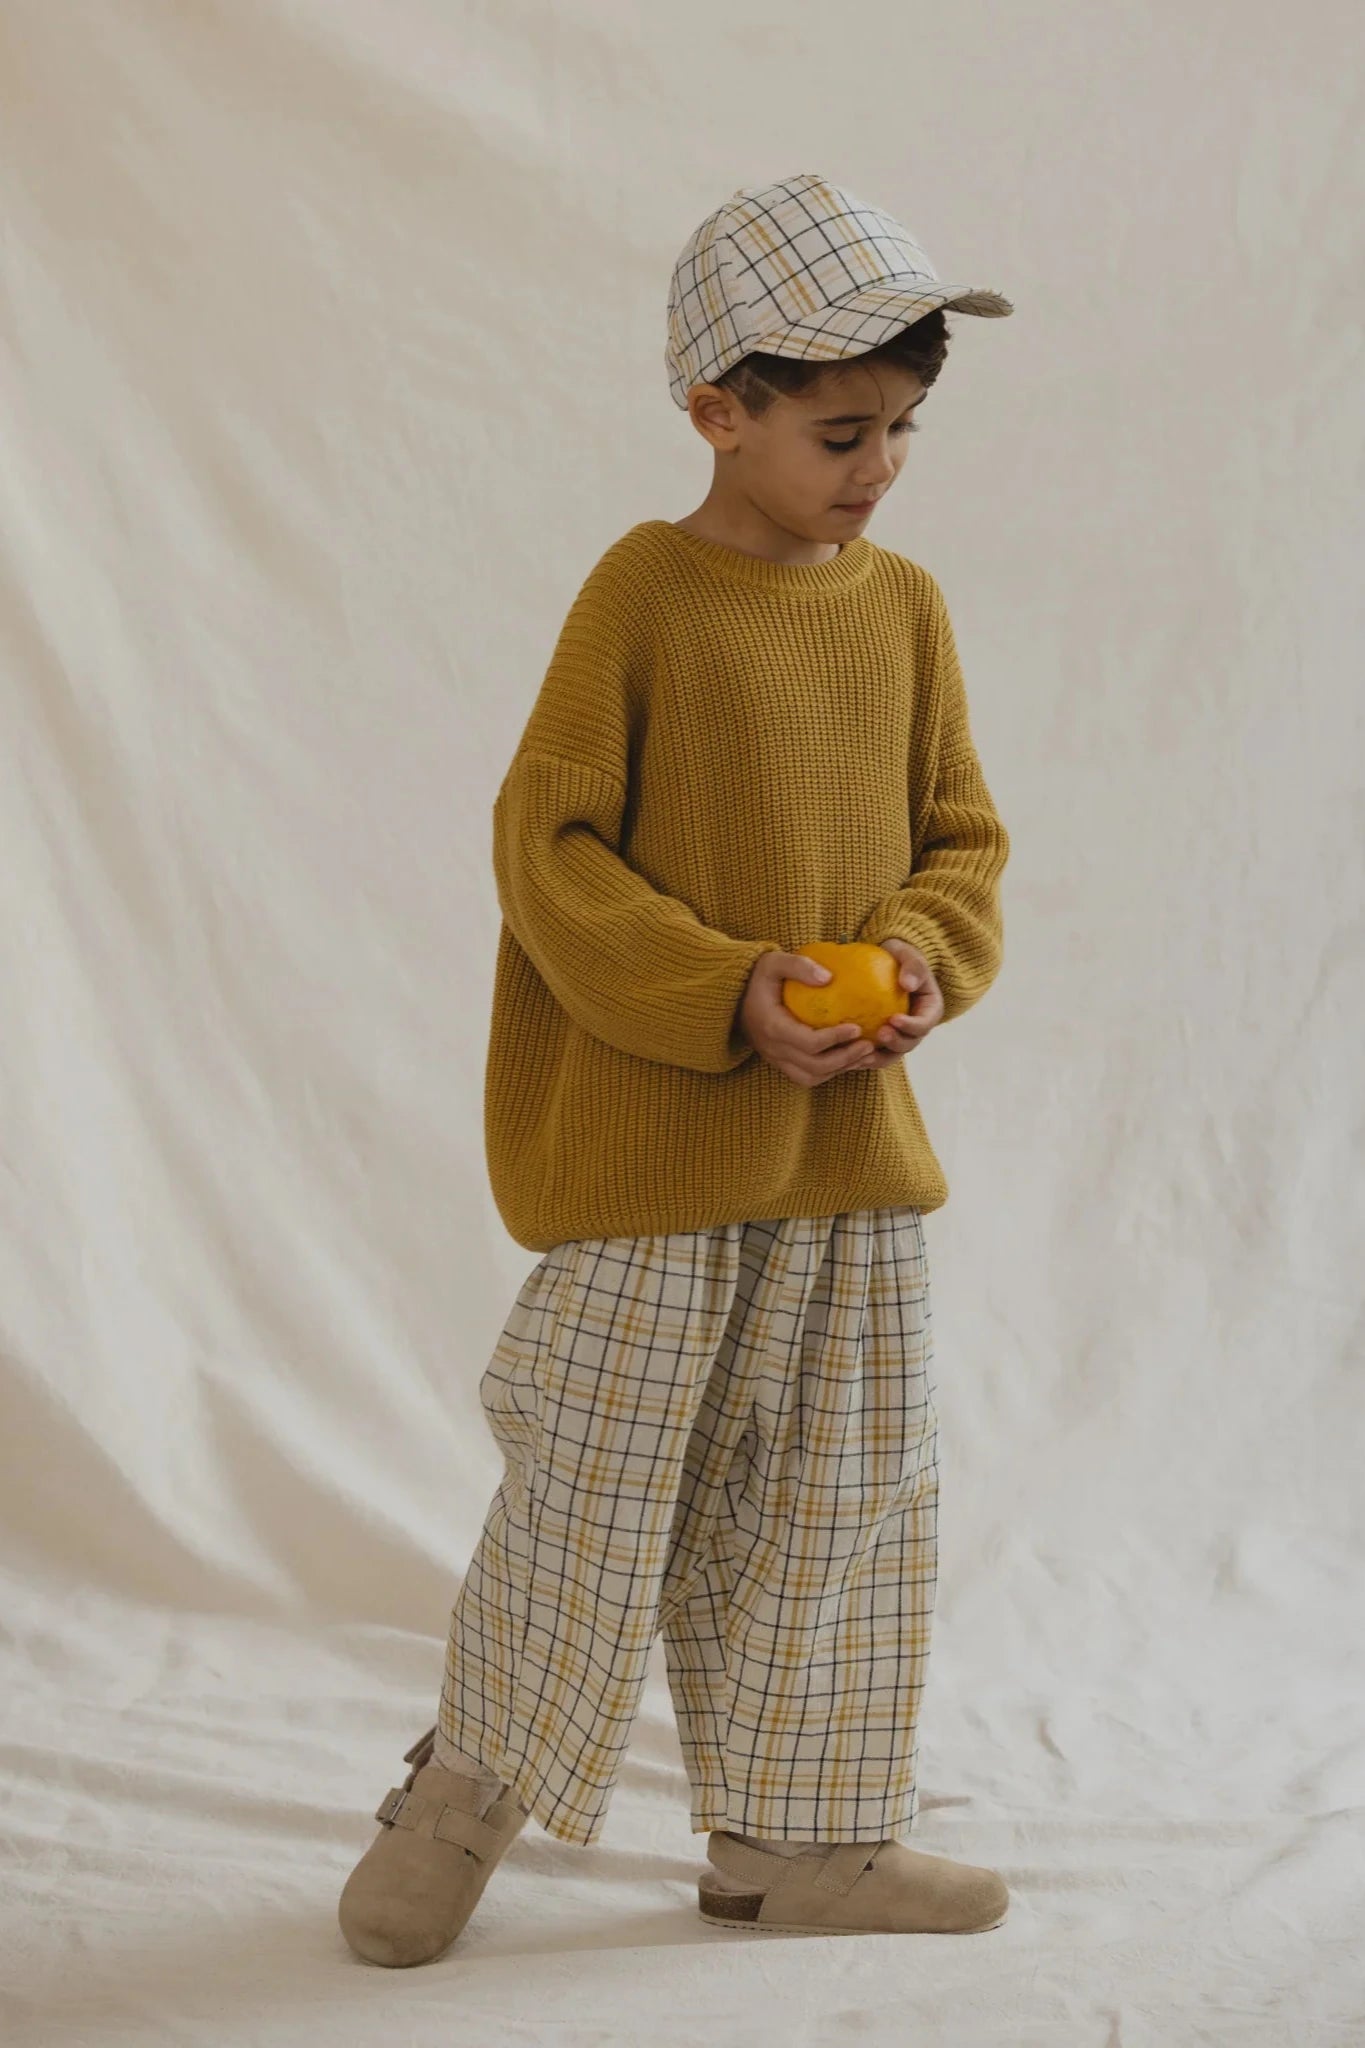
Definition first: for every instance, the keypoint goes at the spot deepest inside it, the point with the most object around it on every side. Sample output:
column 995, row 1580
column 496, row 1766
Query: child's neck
column 751, row 532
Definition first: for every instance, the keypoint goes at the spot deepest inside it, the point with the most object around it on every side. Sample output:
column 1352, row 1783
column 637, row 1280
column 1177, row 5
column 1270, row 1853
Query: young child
column 714, row 1393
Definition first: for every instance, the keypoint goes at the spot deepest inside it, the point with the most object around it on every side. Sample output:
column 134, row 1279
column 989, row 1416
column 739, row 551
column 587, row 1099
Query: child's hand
column 804, row 1053
column 903, row 1032
column 810, row 1056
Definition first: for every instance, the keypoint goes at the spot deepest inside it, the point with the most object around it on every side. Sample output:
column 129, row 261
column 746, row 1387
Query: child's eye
column 899, row 427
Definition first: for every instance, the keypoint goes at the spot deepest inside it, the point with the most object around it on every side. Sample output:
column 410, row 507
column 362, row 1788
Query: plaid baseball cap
column 799, row 268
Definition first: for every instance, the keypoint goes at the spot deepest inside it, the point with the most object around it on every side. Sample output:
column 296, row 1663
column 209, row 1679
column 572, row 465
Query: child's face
column 816, row 464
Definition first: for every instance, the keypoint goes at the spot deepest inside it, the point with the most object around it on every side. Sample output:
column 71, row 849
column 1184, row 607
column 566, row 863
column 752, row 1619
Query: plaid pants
column 727, row 1435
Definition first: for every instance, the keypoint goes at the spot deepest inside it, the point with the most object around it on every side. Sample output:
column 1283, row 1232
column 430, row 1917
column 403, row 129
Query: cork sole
column 740, row 1909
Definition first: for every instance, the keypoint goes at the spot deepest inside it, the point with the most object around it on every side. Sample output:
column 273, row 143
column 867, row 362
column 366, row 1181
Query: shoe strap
column 471, row 1833
column 839, row 1867
column 844, row 1864
column 400, row 1809
column 736, row 1859
column 427, row 1742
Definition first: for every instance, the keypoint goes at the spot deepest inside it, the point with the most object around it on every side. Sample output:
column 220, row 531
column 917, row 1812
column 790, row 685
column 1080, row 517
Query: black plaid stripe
column 727, row 1436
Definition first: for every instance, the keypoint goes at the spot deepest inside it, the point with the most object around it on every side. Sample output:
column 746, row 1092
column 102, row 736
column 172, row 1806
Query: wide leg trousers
column 728, row 1436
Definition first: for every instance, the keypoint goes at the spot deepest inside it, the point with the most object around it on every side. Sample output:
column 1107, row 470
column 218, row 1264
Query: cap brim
column 866, row 318
column 909, row 300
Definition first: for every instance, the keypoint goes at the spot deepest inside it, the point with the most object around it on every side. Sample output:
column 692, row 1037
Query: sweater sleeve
column 949, row 907
column 630, row 964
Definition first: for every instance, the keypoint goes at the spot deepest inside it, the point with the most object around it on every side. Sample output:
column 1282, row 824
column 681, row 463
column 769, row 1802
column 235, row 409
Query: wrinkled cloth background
column 331, row 341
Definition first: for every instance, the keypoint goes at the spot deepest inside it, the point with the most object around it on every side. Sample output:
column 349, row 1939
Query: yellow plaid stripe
column 727, row 1436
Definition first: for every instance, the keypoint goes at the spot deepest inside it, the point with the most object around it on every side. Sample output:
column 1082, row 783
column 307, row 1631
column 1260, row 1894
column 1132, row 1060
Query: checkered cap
column 799, row 268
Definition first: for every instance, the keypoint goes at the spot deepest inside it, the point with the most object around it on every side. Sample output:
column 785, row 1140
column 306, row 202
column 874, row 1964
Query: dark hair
column 920, row 348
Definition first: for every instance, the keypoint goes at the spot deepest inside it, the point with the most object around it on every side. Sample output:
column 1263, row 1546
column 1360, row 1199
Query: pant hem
column 548, row 1813
column 719, row 1822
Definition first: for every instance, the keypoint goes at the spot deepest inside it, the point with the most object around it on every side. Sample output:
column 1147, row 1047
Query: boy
column 714, row 1394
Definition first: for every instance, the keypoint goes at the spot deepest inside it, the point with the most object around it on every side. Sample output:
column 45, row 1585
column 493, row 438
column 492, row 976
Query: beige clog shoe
column 424, row 1872
column 853, row 1888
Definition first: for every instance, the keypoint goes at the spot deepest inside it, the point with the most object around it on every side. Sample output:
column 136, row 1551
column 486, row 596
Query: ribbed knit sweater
column 727, row 756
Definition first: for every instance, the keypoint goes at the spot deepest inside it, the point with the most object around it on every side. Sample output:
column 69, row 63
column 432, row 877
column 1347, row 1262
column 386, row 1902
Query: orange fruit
column 864, row 987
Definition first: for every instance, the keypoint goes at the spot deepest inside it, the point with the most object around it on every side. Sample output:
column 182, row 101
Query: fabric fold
column 634, row 966
column 950, row 906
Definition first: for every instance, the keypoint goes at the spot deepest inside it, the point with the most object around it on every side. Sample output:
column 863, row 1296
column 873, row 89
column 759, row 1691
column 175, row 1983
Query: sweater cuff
column 920, row 932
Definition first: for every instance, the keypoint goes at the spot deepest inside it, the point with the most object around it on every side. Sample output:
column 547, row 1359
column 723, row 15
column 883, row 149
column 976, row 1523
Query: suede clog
column 423, row 1874
column 853, row 1888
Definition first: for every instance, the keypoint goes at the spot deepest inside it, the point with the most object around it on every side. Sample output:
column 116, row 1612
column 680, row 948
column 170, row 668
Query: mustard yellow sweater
column 727, row 756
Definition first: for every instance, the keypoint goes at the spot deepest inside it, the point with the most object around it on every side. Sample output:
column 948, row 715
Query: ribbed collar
column 850, row 565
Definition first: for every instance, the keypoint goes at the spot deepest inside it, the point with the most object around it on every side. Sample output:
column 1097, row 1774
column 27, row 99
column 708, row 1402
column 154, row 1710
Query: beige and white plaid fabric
column 801, row 267
column 727, row 1435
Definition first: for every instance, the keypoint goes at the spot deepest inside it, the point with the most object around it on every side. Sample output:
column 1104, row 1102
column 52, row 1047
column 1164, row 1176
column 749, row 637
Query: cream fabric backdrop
column 332, row 353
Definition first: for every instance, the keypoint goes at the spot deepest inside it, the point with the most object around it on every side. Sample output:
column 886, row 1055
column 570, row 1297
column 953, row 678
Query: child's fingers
column 898, row 1034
